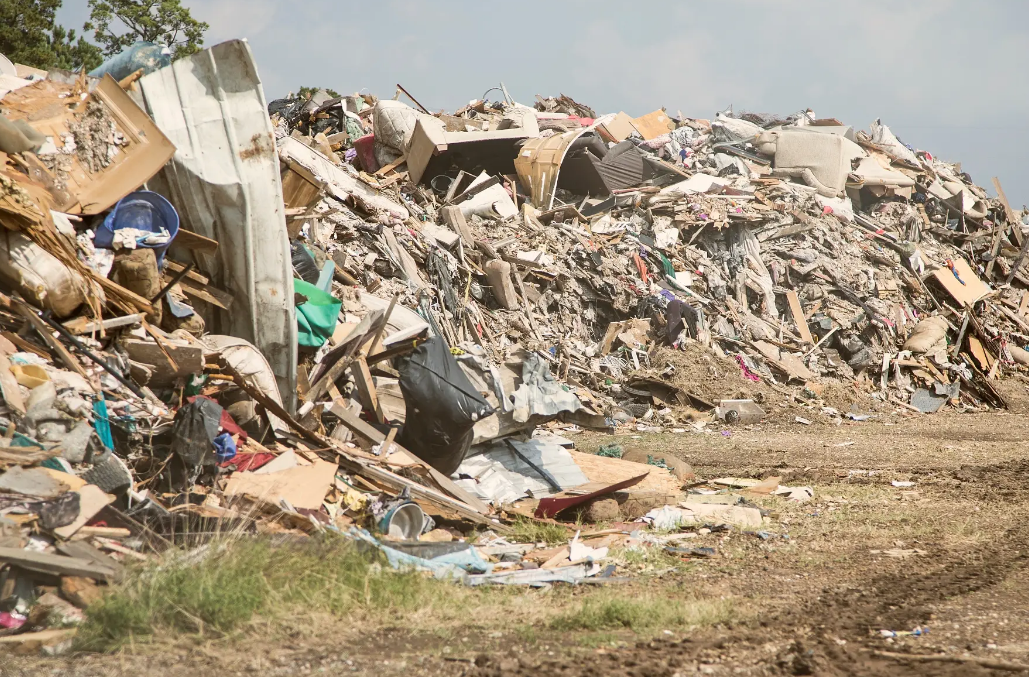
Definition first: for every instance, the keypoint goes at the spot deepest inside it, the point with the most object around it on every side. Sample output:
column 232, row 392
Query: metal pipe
column 88, row 353
column 174, row 281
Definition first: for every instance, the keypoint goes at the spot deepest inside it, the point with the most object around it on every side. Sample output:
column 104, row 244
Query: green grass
column 241, row 579
column 530, row 531
column 241, row 586
column 645, row 558
column 612, row 612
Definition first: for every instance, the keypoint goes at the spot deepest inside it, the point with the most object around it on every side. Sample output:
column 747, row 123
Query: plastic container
column 144, row 210
column 405, row 522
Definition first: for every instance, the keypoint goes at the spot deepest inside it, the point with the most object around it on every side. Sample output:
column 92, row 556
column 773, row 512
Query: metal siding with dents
column 224, row 181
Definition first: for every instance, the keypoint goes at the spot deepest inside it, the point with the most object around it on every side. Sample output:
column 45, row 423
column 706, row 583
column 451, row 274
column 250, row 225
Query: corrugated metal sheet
column 224, row 180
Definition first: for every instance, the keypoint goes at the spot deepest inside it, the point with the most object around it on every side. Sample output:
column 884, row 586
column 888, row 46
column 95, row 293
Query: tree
column 29, row 35
column 71, row 54
column 160, row 21
column 308, row 92
column 25, row 27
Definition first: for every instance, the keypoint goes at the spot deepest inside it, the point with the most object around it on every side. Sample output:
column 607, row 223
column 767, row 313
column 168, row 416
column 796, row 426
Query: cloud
column 235, row 18
column 946, row 75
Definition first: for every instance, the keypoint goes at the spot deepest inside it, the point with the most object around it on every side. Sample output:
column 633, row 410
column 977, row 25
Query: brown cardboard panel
column 653, row 125
column 968, row 293
column 618, row 129
column 304, row 487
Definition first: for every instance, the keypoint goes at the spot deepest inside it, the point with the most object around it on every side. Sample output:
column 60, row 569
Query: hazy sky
column 948, row 76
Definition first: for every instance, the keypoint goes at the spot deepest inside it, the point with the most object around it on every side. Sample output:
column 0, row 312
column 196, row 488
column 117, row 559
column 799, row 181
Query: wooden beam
column 26, row 345
column 57, row 565
column 115, row 290
column 365, row 384
column 194, row 242
column 208, row 294
column 453, row 217
column 369, row 432
column 383, row 171
column 798, row 316
column 173, row 267
column 83, row 326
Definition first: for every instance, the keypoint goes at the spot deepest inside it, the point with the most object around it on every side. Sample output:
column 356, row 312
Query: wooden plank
column 194, row 242
column 1015, row 226
column 613, row 329
column 798, row 316
column 1014, row 318
column 174, row 267
column 384, row 477
column 383, row 171
column 215, row 297
column 83, row 326
column 787, row 231
column 116, row 291
column 355, row 340
column 995, row 250
column 1024, row 304
column 998, row 235
column 58, row 565
column 1013, row 219
column 25, row 345
column 366, row 389
column 453, row 217
column 369, row 432
column 27, row 455
column 91, row 501
column 106, row 532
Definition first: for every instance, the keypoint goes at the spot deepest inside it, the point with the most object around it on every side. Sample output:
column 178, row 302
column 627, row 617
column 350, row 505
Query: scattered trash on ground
column 348, row 315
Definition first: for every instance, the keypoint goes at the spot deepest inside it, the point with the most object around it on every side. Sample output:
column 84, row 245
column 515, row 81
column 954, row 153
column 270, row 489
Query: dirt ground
column 812, row 598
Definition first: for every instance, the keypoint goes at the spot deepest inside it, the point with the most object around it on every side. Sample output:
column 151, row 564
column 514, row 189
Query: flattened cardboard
column 303, row 487
column 617, row 130
column 653, row 125
column 968, row 293
column 91, row 501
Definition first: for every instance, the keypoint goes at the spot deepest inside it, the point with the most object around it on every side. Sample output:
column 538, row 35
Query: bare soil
column 811, row 599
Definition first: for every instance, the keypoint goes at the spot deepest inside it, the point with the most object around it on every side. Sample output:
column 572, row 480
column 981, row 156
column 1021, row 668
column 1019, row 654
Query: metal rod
column 174, row 281
column 1018, row 261
column 88, row 353
column 424, row 109
column 543, row 473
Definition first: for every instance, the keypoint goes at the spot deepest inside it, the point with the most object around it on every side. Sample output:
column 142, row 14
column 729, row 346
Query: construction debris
column 352, row 315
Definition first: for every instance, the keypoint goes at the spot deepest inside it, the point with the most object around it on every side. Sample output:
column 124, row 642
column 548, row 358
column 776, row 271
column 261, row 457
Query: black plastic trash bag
column 193, row 432
column 442, row 406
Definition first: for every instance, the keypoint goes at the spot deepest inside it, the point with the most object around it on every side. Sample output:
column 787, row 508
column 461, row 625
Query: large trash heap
column 220, row 314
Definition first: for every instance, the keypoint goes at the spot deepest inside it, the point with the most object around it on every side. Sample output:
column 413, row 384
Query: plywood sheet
column 603, row 470
column 50, row 107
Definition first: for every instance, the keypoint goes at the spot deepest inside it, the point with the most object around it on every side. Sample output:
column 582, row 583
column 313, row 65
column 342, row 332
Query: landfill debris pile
column 353, row 315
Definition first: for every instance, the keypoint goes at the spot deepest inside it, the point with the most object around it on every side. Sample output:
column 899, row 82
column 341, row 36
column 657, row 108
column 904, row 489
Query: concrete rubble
column 469, row 290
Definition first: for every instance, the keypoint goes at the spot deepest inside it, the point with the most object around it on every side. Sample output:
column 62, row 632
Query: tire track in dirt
column 855, row 613
column 831, row 634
